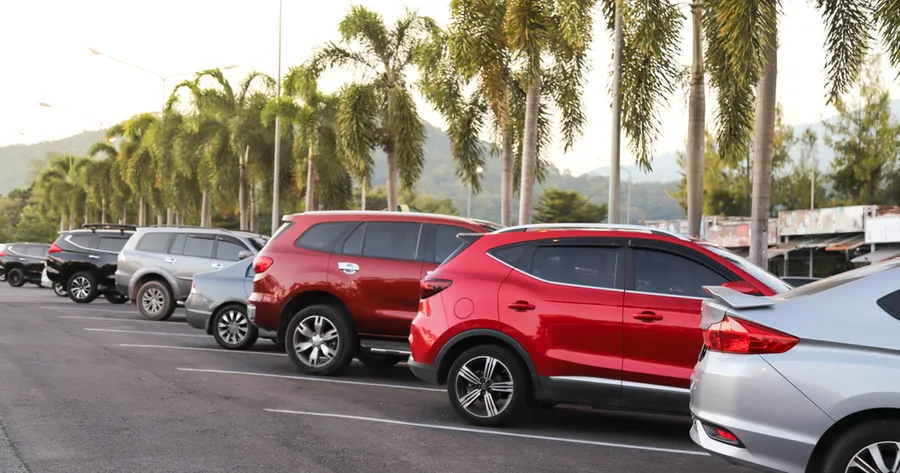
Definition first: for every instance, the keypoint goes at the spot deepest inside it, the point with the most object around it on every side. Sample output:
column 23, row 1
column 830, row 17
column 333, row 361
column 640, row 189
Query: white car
column 58, row 288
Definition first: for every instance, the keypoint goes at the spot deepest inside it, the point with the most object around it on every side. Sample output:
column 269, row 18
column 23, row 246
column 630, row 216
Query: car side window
column 445, row 241
column 154, row 242
column 229, row 248
column 84, row 240
column 353, row 243
column 198, row 246
column 112, row 244
column 322, row 236
column 392, row 240
column 590, row 266
column 661, row 272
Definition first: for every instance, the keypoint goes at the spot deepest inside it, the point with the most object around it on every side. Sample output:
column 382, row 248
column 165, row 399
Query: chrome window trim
column 668, row 295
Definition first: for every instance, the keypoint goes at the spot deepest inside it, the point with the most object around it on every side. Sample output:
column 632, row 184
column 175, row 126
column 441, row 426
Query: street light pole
column 616, row 118
column 276, row 212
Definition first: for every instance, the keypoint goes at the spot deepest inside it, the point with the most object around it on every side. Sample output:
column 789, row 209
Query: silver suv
column 157, row 265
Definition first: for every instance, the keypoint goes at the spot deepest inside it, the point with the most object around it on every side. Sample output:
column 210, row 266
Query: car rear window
column 84, row 240
column 322, row 236
column 154, row 242
column 112, row 244
column 445, row 241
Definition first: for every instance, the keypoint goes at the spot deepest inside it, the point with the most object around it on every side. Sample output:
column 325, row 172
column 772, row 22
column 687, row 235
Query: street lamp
column 628, row 204
column 478, row 170
column 276, row 211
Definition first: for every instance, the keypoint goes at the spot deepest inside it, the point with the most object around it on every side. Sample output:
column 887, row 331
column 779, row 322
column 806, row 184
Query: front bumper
column 777, row 425
column 423, row 371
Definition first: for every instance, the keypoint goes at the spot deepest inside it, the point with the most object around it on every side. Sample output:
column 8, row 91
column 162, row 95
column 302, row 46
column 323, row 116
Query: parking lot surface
column 96, row 388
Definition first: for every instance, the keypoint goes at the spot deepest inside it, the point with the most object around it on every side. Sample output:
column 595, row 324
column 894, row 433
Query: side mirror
column 743, row 287
column 246, row 254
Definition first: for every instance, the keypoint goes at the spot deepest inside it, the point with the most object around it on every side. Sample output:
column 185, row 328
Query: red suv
column 334, row 285
column 607, row 316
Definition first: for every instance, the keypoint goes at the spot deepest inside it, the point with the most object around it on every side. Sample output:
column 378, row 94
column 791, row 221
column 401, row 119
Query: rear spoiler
column 469, row 238
column 735, row 299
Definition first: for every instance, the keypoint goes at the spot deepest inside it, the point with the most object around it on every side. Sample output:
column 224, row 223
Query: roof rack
column 121, row 227
column 591, row 226
column 241, row 232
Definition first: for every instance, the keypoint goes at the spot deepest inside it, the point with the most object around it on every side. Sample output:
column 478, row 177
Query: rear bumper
column 777, row 425
column 423, row 371
column 264, row 311
column 198, row 319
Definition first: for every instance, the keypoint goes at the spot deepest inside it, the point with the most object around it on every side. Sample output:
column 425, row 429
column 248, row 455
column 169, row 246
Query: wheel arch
column 218, row 308
column 150, row 274
column 471, row 338
column 306, row 299
column 834, row 432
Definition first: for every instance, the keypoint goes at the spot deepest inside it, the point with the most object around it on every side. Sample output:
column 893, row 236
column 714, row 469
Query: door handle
column 93, row 257
column 216, row 266
column 648, row 316
column 170, row 260
column 21, row 259
column 521, row 306
column 348, row 268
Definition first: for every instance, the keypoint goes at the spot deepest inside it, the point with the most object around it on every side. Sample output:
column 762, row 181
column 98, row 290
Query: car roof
column 370, row 214
column 184, row 228
column 592, row 229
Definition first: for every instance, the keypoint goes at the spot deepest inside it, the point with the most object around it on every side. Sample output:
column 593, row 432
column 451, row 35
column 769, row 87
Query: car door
column 188, row 255
column 107, row 254
column 228, row 250
column 564, row 304
column 378, row 267
column 663, row 296
column 441, row 243
column 36, row 256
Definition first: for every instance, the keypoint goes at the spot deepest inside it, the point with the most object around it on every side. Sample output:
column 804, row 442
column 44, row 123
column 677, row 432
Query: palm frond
column 847, row 40
column 356, row 122
column 366, row 27
column 886, row 14
column 408, row 135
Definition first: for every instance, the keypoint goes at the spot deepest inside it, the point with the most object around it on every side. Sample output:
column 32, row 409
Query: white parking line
column 501, row 433
column 319, row 380
column 85, row 309
column 141, row 332
column 217, row 350
column 112, row 319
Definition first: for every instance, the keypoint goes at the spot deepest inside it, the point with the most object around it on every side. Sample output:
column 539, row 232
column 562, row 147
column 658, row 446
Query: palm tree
column 106, row 182
column 379, row 110
column 136, row 164
column 61, row 186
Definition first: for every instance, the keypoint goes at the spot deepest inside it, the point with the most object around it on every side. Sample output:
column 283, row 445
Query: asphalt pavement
column 96, row 388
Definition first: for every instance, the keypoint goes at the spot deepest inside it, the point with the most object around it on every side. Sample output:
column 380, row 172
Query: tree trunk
column 393, row 179
column 529, row 150
column 254, row 210
column 763, row 149
column 87, row 213
column 142, row 213
column 696, row 128
column 124, row 218
column 62, row 221
column 311, row 178
column 103, row 215
column 159, row 219
column 71, row 221
column 362, row 200
column 506, row 166
column 242, row 187
column 170, row 216
column 203, row 208
column 616, row 135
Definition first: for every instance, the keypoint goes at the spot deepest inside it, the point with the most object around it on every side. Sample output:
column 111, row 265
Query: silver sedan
column 218, row 305
column 806, row 381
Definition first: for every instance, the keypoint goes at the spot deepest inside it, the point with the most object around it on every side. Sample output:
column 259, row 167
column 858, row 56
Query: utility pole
column 276, row 212
column 616, row 119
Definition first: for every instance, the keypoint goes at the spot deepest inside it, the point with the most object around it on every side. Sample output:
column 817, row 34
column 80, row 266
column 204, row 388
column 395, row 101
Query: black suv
column 23, row 262
column 84, row 261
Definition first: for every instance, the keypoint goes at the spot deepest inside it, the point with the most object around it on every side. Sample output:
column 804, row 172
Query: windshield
column 258, row 243
column 758, row 273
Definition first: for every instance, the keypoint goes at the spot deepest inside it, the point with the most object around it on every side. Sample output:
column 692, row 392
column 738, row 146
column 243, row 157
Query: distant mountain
column 22, row 163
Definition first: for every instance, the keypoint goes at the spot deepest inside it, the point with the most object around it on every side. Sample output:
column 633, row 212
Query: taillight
column 54, row 248
column 721, row 434
column 733, row 335
column 262, row 263
column 2, row 254
column 193, row 287
column 430, row 287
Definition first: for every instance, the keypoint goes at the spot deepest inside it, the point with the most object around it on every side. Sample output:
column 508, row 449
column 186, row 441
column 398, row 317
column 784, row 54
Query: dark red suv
column 334, row 285
column 607, row 316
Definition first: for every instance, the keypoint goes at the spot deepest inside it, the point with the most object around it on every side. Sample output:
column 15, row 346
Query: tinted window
column 250, row 273
column 154, row 242
column 591, row 266
column 199, row 247
column 112, row 244
column 258, row 243
column 394, row 240
column 353, row 243
column 84, row 240
column 322, row 236
column 509, row 254
column 177, row 244
column 445, row 242
column 229, row 249
column 660, row 272
column 38, row 250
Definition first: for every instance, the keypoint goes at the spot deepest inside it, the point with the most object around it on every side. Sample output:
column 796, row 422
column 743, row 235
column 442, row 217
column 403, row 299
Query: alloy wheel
column 59, row 289
column 153, row 300
column 233, row 326
column 484, row 386
column 316, row 341
column 80, row 287
column 881, row 457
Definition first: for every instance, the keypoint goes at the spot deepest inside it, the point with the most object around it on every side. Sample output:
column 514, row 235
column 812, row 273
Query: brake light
column 54, row 248
column 193, row 287
column 430, row 287
column 733, row 335
column 261, row 264
column 2, row 254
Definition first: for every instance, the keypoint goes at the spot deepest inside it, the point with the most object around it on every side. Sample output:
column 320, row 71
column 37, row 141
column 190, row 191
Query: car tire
column 82, row 288
column 155, row 300
column 2, row 277
column 316, row 327
column 232, row 329
column 856, row 443
column 16, row 277
column 60, row 289
column 475, row 397
column 115, row 298
column 377, row 360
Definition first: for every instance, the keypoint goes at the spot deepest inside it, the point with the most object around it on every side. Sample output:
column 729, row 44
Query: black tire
column 115, row 298
column 82, row 288
column 506, row 367
column 155, row 300
column 378, row 360
column 16, row 277
column 232, row 329
column 343, row 345
column 855, row 440
column 60, row 289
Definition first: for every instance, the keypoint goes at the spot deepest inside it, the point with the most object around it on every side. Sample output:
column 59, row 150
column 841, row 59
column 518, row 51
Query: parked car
column 58, row 288
column 600, row 315
column 82, row 263
column 157, row 265
column 807, row 381
column 334, row 285
column 797, row 281
column 218, row 305
column 22, row 263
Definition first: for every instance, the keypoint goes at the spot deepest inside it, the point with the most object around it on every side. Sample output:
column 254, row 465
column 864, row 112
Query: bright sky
column 44, row 58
